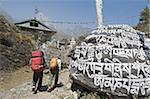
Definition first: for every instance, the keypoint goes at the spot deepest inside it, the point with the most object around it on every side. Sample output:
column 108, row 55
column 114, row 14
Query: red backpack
column 37, row 61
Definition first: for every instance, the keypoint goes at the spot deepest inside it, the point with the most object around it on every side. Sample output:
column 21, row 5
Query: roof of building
column 46, row 28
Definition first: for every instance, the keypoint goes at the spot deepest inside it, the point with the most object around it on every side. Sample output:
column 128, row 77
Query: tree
column 144, row 21
column 81, row 39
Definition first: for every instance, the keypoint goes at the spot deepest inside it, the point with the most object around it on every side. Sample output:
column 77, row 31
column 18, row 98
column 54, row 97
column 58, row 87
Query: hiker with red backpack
column 37, row 66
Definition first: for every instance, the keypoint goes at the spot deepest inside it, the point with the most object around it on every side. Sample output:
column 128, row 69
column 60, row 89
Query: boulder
column 113, row 59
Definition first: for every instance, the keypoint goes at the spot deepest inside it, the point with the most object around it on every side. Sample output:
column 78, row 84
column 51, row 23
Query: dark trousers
column 37, row 78
column 54, row 77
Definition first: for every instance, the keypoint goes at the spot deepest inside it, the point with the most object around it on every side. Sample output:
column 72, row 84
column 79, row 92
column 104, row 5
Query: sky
column 114, row 11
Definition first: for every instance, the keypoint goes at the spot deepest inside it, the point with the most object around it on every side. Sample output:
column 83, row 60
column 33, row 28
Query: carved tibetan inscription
column 116, row 62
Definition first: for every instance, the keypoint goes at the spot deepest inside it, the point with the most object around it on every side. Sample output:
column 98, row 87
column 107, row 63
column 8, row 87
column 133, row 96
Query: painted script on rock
column 116, row 59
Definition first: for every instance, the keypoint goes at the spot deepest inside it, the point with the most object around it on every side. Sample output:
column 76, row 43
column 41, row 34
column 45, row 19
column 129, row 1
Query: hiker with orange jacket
column 37, row 66
column 54, row 70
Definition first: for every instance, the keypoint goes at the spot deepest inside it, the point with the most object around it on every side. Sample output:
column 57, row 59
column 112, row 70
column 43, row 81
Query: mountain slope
column 15, row 47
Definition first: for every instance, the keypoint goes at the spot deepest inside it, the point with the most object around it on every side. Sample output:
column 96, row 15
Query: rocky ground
column 18, row 85
column 23, row 90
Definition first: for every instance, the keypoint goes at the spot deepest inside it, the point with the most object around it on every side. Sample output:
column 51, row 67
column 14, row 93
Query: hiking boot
column 33, row 88
column 50, row 89
column 35, row 92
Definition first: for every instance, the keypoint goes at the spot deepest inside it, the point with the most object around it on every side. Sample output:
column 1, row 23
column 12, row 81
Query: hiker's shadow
column 44, row 88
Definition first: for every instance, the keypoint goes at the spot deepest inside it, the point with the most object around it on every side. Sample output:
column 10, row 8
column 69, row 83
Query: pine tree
column 144, row 22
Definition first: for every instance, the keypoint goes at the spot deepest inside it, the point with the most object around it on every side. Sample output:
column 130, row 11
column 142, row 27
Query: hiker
column 37, row 65
column 54, row 70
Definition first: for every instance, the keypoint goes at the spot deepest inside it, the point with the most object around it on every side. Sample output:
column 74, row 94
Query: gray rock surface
column 113, row 59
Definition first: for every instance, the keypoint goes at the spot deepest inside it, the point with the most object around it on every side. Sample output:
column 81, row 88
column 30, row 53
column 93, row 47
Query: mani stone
column 113, row 59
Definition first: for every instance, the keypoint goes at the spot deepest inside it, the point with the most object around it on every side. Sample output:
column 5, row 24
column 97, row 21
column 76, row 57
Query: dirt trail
column 23, row 91
column 10, row 80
